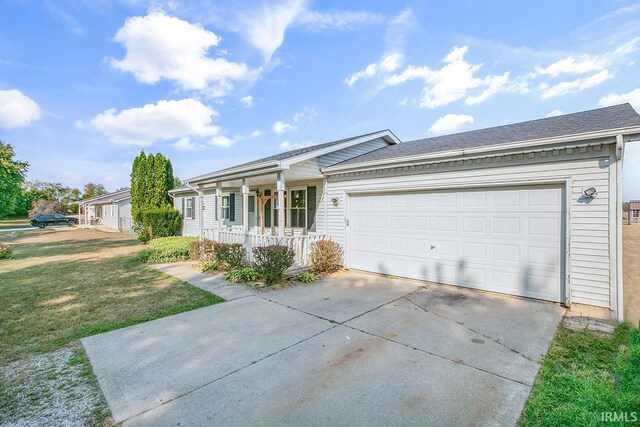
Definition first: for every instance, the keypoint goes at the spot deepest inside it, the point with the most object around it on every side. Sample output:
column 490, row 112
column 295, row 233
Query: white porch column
column 281, row 210
column 219, row 208
column 245, row 205
column 201, row 210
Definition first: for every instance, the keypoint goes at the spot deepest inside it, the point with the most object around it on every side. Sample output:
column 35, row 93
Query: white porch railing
column 301, row 244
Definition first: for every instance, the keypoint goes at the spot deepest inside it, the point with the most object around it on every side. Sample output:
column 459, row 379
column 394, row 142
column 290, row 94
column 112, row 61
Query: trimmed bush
column 326, row 256
column 5, row 251
column 242, row 275
column 205, row 266
column 203, row 250
column 307, row 277
column 229, row 255
column 194, row 251
column 167, row 249
column 272, row 261
column 159, row 222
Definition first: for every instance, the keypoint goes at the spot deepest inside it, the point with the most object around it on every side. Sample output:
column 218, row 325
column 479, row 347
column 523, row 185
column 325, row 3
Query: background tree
column 43, row 206
column 151, row 179
column 92, row 190
column 177, row 182
column 12, row 173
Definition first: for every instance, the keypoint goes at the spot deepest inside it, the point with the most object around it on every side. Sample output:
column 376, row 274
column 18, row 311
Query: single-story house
column 634, row 212
column 112, row 210
column 532, row 209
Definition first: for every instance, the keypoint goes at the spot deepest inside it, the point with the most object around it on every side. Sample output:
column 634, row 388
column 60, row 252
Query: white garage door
column 506, row 240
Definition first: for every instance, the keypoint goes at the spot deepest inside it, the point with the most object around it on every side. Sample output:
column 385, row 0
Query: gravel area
column 52, row 389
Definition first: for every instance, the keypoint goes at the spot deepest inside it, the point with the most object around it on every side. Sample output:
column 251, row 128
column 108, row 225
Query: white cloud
column 221, row 141
column 286, row 145
column 256, row 133
column 450, row 123
column 17, row 110
column 336, row 20
column 281, row 127
column 632, row 97
column 265, row 26
column 588, row 63
column 247, row 101
column 165, row 120
column 308, row 114
column 563, row 88
column 555, row 113
column 386, row 65
column 185, row 144
column 455, row 80
column 163, row 47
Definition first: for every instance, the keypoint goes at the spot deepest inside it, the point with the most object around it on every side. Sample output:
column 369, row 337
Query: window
column 299, row 208
column 58, row 216
column 226, row 211
column 189, row 208
column 635, row 214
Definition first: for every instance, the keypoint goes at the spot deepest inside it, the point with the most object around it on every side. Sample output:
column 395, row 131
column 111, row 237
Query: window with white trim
column 226, row 212
column 299, row 208
column 188, row 208
column 635, row 214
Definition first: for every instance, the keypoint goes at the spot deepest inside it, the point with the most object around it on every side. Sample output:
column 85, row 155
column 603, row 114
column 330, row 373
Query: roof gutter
column 630, row 133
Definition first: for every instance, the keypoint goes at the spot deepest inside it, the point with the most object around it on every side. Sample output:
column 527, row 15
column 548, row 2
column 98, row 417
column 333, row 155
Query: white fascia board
column 630, row 134
column 256, row 169
column 387, row 135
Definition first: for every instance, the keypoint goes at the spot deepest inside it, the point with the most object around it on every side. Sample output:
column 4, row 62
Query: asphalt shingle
column 615, row 117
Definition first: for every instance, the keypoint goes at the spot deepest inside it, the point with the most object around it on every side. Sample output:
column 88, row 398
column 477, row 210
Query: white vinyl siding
column 189, row 226
column 589, row 220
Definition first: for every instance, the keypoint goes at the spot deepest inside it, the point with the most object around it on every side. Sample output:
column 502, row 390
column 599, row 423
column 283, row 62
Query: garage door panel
column 503, row 240
column 474, row 224
column 506, row 226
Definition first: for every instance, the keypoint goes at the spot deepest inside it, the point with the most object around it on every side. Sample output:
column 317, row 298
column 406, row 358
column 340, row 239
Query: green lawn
column 65, row 285
column 585, row 374
column 14, row 223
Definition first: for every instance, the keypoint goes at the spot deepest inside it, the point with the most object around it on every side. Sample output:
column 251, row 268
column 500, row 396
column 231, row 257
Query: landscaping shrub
column 159, row 222
column 194, row 250
column 205, row 266
column 326, row 256
column 229, row 255
column 307, row 277
column 5, row 251
column 242, row 275
column 167, row 249
column 203, row 250
column 272, row 261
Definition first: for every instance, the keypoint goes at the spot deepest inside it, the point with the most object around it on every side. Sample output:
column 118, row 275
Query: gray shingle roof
column 116, row 195
column 615, row 117
column 285, row 155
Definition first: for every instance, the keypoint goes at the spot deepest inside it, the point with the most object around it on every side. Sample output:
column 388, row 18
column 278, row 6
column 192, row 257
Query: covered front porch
column 279, row 207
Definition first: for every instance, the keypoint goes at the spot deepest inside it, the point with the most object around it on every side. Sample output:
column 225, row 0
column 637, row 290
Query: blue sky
column 84, row 85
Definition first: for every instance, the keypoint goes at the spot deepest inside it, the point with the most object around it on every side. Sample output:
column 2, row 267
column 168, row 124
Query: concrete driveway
column 355, row 349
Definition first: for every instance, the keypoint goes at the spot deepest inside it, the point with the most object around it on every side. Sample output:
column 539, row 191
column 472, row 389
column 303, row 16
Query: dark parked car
column 42, row 220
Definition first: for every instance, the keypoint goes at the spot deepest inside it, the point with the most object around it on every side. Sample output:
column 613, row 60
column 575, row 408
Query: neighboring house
column 112, row 210
column 531, row 209
column 634, row 212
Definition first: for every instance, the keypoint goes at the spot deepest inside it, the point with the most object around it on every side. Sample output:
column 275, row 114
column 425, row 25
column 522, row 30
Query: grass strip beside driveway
column 584, row 375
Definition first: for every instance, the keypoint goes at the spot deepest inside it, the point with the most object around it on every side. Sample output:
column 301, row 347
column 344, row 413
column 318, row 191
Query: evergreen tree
column 12, row 173
column 151, row 179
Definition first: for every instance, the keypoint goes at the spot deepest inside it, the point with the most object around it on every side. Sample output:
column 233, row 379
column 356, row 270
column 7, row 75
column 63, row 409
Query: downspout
column 619, row 276
column 200, row 205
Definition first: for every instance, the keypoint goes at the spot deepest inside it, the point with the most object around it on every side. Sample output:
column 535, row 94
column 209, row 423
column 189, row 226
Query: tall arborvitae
column 151, row 179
